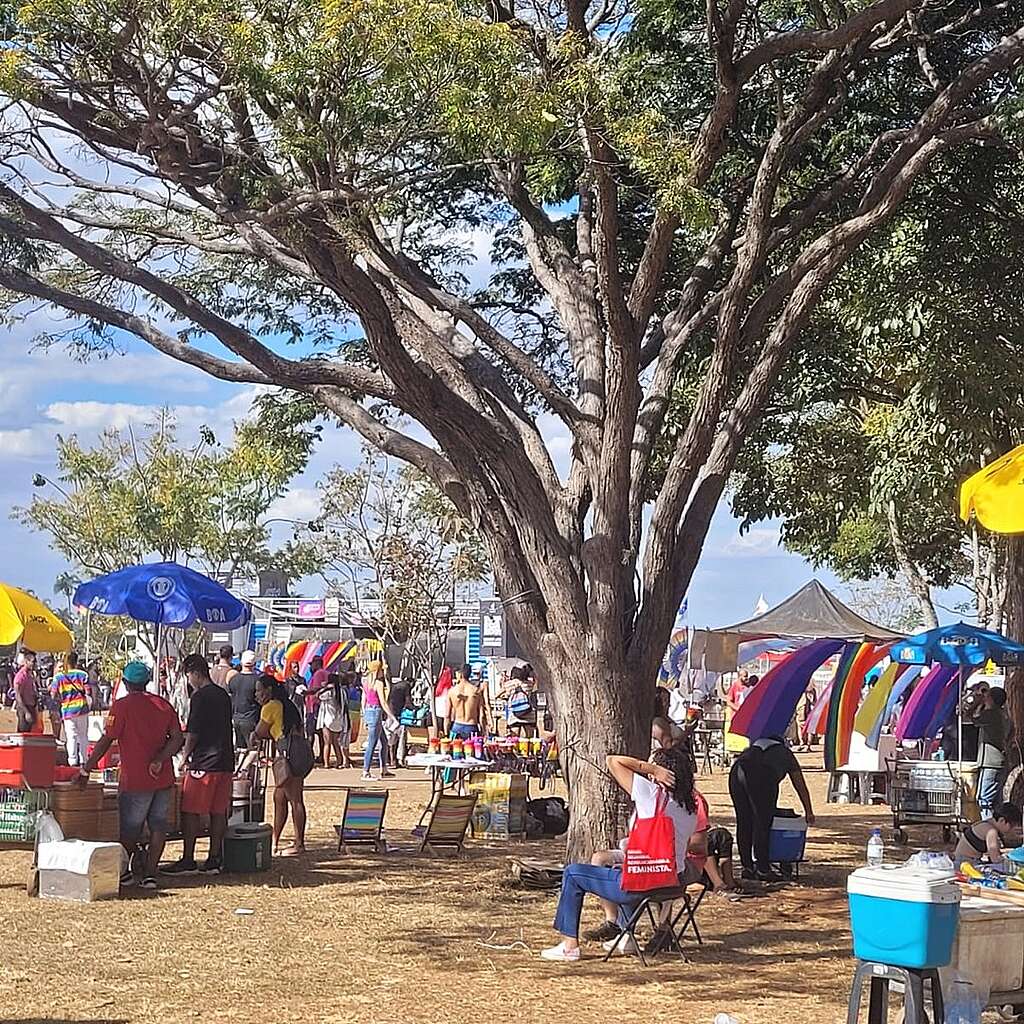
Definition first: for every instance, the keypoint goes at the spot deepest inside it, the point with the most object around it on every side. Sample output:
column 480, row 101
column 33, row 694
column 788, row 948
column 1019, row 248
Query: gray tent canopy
column 812, row 613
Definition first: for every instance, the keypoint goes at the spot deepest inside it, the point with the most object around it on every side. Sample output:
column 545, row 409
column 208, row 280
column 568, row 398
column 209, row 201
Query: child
column 985, row 837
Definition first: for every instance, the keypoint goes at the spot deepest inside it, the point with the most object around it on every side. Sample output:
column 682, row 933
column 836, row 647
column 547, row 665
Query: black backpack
column 552, row 814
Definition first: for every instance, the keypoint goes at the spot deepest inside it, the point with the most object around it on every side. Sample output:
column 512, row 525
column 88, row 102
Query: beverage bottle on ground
column 876, row 849
column 724, row 1018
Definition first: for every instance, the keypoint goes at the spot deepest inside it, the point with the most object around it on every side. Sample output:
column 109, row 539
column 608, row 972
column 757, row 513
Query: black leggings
column 755, row 798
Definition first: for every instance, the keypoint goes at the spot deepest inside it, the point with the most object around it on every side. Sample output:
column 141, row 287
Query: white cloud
column 300, row 504
column 759, row 542
column 27, row 443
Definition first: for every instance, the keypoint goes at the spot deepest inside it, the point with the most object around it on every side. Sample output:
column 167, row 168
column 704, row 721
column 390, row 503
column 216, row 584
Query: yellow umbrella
column 24, row 618
column 995, row 494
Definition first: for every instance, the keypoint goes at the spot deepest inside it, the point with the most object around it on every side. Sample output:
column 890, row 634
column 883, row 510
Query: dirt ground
column 339, row 938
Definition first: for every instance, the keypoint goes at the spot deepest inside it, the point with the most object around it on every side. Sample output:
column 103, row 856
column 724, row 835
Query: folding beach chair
column 693, row 897
column 448, row 823
column 362, row 819
column 688, row 899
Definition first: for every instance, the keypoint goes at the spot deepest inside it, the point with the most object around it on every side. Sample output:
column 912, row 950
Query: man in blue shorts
column 148, row 735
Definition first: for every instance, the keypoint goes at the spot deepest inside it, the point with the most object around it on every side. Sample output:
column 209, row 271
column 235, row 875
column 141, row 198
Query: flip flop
column 290, row 851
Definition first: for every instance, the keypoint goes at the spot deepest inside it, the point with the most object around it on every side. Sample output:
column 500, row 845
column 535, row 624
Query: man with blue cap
column 148, row 735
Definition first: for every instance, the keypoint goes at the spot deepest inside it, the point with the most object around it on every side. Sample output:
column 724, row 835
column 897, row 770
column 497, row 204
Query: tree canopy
column 141, row 494
column 667, row 186
column 862, row 452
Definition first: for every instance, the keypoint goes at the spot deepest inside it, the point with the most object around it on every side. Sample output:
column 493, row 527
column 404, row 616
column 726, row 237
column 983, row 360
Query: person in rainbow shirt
column 71, row 690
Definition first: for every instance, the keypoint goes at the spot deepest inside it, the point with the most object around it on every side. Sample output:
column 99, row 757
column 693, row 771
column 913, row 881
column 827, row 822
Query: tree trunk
column 1014, row 619
column 591, row 722
column 919, row 586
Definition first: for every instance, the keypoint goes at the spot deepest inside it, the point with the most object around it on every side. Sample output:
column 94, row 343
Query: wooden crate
column 71, row 797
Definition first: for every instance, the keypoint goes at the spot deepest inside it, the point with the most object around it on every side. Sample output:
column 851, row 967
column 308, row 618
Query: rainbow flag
column 815, row 724
column 854, row 664
column 875, row 702
column 770, row 707
column 903, row 682
column 920, row 709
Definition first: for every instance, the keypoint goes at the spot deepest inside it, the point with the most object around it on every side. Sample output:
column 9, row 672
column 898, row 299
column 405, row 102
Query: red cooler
column 111, row 759
column 27, row 761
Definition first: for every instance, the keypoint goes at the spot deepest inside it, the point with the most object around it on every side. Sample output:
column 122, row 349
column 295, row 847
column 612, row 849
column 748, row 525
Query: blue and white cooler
column 904, row 916
column 788, row 840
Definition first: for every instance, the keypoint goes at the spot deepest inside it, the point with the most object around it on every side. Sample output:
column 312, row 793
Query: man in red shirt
column 148, row 735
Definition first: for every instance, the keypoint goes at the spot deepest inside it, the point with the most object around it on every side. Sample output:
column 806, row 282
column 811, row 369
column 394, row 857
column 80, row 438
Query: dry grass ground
column 339, row 938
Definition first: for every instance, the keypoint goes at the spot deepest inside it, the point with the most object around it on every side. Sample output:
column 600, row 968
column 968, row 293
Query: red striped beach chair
column 448, row 823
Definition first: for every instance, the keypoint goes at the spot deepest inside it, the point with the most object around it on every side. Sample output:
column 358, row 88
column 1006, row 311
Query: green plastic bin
column 247, row 848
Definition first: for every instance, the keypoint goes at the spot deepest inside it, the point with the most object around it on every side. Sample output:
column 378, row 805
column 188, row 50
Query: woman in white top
column 668, row 771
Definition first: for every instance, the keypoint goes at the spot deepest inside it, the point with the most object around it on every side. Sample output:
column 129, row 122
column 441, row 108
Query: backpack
column 519, row 704
column 552, row 813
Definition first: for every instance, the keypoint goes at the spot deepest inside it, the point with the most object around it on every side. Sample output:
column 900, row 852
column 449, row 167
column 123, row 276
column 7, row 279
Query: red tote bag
column 651, row 852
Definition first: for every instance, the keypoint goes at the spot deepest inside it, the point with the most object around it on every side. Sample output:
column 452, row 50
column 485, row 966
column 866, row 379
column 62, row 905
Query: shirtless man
column 467, row 706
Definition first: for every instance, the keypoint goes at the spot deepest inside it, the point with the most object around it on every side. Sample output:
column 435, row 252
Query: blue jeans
column 463, row 731
column 374, row 719
column 150, row 807
column 988, row 788
column 577, row 881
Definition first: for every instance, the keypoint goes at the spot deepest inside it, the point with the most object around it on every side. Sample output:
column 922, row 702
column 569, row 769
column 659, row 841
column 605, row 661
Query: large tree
column 665, row 182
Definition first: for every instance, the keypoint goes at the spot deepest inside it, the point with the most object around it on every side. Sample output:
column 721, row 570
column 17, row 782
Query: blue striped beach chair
column 362, row 819
column 449, row 821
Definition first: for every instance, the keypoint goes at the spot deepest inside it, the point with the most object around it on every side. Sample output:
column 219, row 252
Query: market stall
column 937, row 792
column 27, row 762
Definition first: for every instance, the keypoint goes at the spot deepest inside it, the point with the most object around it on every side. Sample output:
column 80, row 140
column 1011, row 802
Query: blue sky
column 45, row 394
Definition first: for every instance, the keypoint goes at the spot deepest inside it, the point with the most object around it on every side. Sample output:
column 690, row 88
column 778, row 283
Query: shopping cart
column 925, row 793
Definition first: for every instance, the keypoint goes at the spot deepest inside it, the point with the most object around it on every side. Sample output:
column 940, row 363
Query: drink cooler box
column 79, row 871
column 903, row 916
column 247, row 848
column 27, row 761
column 788, row 841
column 989, row 947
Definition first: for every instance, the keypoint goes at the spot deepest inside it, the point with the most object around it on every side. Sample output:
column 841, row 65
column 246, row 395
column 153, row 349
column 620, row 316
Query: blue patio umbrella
column 959, row 645
column 164, row 593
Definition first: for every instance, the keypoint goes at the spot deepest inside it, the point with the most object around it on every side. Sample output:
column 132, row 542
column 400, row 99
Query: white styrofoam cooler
column 863, row 758
column 79, row 871
column 989, row 947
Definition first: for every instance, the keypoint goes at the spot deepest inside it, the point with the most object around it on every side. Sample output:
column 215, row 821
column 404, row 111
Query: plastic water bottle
column 876, row 849
column 724, row 1018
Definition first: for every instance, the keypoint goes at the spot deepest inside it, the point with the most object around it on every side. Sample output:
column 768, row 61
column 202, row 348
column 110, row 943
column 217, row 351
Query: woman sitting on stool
column 669, row 771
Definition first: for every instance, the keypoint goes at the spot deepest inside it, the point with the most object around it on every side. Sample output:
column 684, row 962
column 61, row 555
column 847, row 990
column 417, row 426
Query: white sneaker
column 560, row 954
column 621, row 945
column 367, row 777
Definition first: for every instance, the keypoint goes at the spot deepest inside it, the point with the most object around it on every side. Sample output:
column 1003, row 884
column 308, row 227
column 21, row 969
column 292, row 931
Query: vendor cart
column 929, row 793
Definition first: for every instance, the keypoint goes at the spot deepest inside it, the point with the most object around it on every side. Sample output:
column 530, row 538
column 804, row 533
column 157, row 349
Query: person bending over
column 668, row 772
column 754, row 782
column 985, row 838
